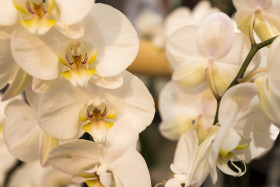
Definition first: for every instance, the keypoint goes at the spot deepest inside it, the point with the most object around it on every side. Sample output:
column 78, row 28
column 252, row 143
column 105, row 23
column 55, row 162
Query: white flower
column 269, row 85
column 33, row 174
column 244, row 134
column 107, row 48
column 182, row 110
column 10, row 73
column 24, row 139
column 6, row 159
column 263, row 15
column 66, row 110
column 118, row 164
column 183, row 16
column 38, row 16
column 211, row 52
column 190, row 166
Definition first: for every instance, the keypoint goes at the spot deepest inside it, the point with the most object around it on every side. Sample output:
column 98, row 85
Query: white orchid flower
column 183, row 16
column 10, row 73
column 6, row 159
column 33, row 174
column 107, row 48
column 212, row 52
column 262, row 15
column 269, row 85
column 116, row 165
column 244, row 134
column 182, row 110
column 24, row 139
column 39, row 16
column 149, row 25
column 94, row 109
column 190, row 166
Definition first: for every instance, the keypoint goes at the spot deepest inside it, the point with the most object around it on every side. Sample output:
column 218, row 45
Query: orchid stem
column 252, row 74
column 254, row 49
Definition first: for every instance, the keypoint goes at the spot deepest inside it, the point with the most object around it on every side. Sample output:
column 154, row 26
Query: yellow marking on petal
column 92, row 58
column 20, row 8
column 108, row 125
column 225, row 154
column 61, row 60
column 111, row 116
column 67, row 75
column 83, row 118
column 30, row 24
column 94, row 183
column 1, row 129
column 87, row 128
column 51, row 3
column 45, row 25
column 91, row 72
column 240, row 147
column 48, row 23
column 87, row 175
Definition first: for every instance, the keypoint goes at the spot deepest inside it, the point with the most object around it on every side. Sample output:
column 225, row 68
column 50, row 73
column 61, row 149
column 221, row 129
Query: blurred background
column 151, row 65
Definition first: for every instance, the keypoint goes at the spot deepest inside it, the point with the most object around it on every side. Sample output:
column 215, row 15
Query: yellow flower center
column 37, row 16
column 98, row 117
column 74, row 57
column 92, row 176
column 37, row 9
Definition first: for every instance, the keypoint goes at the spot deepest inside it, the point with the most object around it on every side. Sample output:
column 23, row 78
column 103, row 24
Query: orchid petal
column 229, row 143
column 186, row 151
column 224, row 167
column 239, row 4
column 106, row 179
column 21, row 131
column 190, row 74
column 108, row 82
column 200, row 168
column 34, row 56
column 175, row 101
column 19, row 84
column 6, row 60
column 238, row 97
column 131, row 170
column 121, row 137
column 47, row 144
column 8, row 13
column 273, row 65
column 256, row 126
column 60, row 112
column 173, row 183
column 215, row 35
column 72, row 11
column 74, row 31
column 132, row 98
column 181, row 46
column 177, row 19
column 269, row 99
column 117, row 47
column 239, row 50
column 40, row 86
column 76, row 156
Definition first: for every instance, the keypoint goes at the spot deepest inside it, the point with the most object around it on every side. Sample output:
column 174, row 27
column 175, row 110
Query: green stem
column 254, row 49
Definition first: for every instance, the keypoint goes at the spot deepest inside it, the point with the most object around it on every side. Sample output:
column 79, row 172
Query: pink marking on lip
column 29, row 8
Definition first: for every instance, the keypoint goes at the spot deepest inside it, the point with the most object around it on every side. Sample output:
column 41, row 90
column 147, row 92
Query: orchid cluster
column 222, row 104
column 72, row 112
column 69, row 58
